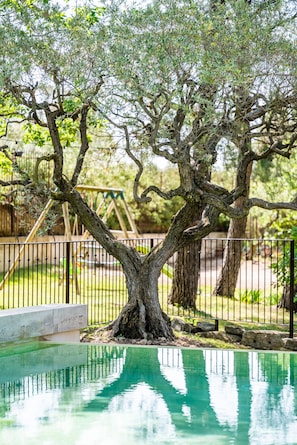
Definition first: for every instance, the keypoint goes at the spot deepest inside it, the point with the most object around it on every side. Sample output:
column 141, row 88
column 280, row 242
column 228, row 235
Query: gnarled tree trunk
column 227, row 280
column 186, row 273
column 142, row 316
column 186, row 276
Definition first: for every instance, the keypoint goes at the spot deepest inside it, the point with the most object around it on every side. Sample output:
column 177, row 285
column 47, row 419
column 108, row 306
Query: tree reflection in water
column 147, row 395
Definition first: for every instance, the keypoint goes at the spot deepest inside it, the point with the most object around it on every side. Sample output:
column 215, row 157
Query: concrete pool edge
column 52, row 322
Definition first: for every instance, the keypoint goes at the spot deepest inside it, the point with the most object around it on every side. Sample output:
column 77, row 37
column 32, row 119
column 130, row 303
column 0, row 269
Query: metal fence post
column 67, row 299
column 292, row 286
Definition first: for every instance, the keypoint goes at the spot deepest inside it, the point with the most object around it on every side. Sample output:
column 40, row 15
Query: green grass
column 250, row 296
column 250, row 306
column 105, row 293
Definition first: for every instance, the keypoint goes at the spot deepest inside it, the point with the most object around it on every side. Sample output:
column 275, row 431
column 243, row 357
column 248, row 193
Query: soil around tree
column 181, row 340
column 232, row 337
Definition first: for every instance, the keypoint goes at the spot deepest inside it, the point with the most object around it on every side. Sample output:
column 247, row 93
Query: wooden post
column 130, row 219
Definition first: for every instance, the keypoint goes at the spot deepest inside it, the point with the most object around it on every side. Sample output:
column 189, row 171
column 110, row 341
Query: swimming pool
column 52, row 394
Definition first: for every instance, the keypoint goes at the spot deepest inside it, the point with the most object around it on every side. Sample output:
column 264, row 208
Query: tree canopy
column 179, row 80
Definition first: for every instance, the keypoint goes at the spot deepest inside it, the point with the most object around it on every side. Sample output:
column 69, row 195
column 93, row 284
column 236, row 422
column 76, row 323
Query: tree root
column 134, row 323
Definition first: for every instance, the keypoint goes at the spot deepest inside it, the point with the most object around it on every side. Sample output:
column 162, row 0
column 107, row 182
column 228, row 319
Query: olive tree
column 176, row 80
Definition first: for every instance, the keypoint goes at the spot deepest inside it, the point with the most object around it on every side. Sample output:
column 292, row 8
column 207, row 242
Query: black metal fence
column 83, row 272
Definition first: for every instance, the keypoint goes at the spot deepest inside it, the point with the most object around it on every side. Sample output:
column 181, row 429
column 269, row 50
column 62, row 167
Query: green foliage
column 271, row 175
column 263, row 170
column 283, row 226
column 5, row 166
column 38, row 135
column 68, row 131
column 89, row 15
column 29, row 206
column 157, row 63
column 273, row 299
column 282, row 266
column 251, row 296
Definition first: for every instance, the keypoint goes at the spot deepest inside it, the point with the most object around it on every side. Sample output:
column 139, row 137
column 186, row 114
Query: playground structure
column 112, row 200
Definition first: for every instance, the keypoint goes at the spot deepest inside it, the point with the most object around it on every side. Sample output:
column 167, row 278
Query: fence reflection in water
column 150, row 395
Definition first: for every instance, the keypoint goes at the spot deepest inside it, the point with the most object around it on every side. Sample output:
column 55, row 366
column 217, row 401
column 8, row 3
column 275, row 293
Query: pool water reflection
column 52, row 394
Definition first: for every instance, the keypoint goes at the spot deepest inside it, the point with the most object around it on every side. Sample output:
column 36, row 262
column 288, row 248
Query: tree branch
column 58, row 149
column 257, row 202
column 16, row 168
column 47, row 158
column 84, row 146
column 165, row 195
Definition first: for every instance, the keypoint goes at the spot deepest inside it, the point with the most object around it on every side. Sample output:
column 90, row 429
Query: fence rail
column 83, row 272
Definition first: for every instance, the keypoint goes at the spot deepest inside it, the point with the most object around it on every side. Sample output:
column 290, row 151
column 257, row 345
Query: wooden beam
column 27, row 240
column 91, row 188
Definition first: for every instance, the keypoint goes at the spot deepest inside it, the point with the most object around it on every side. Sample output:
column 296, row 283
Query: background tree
column 242, row 139
column 227, row 279
column 187, row 265
column 271, row 175
column 174, row 79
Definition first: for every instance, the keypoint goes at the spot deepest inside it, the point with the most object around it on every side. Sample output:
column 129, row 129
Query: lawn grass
column 105, row 294
column 104, row 290
column 262, row 310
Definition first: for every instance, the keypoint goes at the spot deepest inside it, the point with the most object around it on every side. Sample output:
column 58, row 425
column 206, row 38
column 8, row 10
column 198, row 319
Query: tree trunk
column 227, row 280
column 142, row 317
column 285, row 300
column 186, row 273
column 186, row 276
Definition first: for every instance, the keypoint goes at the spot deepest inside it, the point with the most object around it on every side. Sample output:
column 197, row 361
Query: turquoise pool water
column 54, row 394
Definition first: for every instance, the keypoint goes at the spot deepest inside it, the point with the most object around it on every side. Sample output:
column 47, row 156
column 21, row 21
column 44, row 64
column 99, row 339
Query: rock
column 222, row 336
column 188, row 327
column 178, row 324
column 234, row 330
column 290, row 343
column 264, row 339
column 204, row 326
column 232, row 338
column 162, row 340
column 143, row 341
